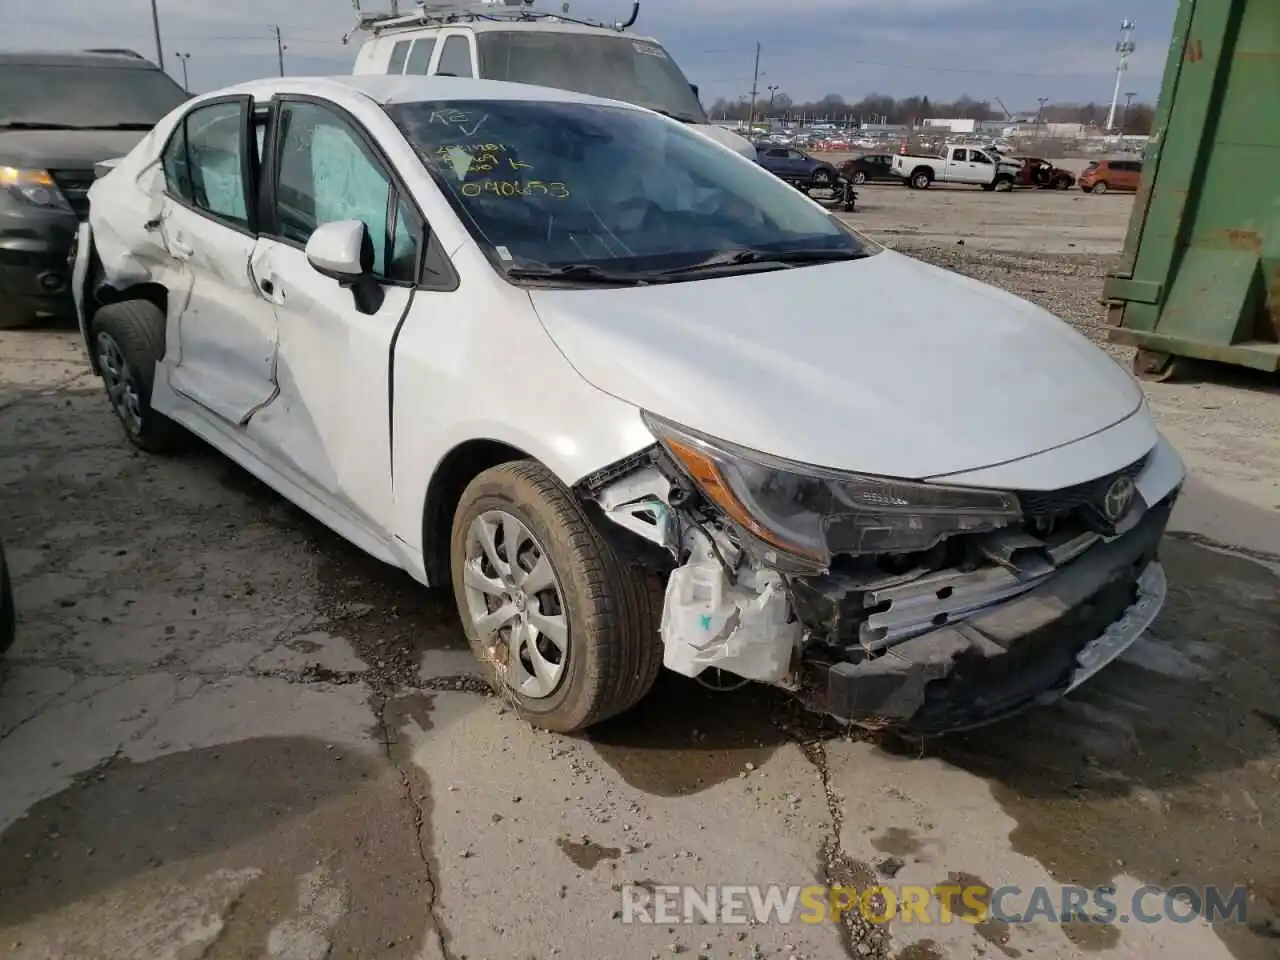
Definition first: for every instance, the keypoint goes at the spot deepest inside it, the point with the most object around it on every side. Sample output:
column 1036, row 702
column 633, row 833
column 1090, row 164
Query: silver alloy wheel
column 516, row 603
column 859, row 177
column 118, row 376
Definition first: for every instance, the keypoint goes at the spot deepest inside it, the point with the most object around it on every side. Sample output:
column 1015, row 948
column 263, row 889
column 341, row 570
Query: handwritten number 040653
column 511, row 188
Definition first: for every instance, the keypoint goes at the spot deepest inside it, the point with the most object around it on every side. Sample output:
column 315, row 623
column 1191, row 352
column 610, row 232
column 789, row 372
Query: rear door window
column 420, row 57
column 399, row 53
column 455, row 57
column 204, row 161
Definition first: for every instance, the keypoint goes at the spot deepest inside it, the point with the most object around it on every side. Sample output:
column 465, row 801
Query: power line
column 280, row 47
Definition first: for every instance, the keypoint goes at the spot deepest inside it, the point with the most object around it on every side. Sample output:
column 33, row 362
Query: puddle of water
column 897, row 842
column 390, row 619
column 586, row 854
column 123, row 819
column 1165, row 774
column 683, row 738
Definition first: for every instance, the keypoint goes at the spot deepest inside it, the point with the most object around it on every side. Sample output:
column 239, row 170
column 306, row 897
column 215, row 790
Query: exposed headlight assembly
column 33, row 186
column 815, row 513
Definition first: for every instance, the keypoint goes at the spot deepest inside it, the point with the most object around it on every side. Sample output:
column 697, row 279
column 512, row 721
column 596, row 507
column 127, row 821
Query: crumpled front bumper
column 1032, row 649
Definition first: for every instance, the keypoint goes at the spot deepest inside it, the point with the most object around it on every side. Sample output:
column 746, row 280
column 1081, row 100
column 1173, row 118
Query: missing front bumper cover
column 1035, row 647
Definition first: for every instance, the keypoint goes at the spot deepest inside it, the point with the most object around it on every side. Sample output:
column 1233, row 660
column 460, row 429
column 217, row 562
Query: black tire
column 8, row 616
column 921, row 179
column 859, row 177
column 1099, row 188
column 1003, row 184
column 136, row 328
column 611, row 606
column 1062, row 183
column 822, row 179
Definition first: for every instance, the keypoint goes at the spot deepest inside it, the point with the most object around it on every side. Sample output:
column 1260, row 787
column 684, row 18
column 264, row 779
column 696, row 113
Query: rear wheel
column 1061, row 184
column 859, row 177
column 921, row 179
column 564, row 627
column 128, row 340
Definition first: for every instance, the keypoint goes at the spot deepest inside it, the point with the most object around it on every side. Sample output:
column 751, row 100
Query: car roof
column 68, row 58
column 386, row 89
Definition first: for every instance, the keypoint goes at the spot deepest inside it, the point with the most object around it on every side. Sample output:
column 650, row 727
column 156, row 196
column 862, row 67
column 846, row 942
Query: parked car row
column 958, row 164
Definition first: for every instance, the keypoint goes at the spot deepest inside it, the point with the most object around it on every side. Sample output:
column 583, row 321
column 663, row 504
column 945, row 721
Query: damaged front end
column 892, row 603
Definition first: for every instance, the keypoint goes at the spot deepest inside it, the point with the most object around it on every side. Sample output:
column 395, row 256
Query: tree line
column 878, row 108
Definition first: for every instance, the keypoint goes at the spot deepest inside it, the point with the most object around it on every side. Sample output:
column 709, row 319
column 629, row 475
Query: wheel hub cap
column 516, row 604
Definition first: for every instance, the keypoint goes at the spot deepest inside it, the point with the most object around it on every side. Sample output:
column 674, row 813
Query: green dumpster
column 1201, row 273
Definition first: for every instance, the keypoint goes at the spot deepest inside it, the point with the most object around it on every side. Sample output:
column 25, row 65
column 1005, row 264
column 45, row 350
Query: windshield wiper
column 130, row 125
column 578, row 273
column 682, row 117
column 750, row 256
column 42, row 125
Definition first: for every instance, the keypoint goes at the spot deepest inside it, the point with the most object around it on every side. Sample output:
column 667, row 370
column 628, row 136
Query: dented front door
column 226, row 325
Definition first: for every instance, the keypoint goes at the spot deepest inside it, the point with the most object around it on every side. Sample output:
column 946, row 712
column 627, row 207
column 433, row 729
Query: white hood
column 727, row 138
column 928, row 373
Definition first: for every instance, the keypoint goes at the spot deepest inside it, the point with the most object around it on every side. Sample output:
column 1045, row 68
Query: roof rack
column 441, row 12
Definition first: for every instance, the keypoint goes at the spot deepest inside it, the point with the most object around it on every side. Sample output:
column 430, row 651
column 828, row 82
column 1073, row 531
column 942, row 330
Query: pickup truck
column 958, row 165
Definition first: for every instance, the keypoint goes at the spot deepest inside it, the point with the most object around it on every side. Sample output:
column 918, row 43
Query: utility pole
column 184, row 57
column 280, row 47
column 155, row 22
column 1124, row 47
column 755, row 84
column 1040, row 116
column 773, row 92
column 1124, row 117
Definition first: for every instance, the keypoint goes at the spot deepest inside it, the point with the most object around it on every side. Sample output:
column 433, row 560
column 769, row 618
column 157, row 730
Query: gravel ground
column 225, row 733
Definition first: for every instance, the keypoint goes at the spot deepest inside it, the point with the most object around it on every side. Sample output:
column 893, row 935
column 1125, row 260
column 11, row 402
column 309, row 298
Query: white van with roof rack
column 510, row 40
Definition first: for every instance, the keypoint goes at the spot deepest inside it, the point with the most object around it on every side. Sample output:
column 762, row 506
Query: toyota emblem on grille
column 1116, row 501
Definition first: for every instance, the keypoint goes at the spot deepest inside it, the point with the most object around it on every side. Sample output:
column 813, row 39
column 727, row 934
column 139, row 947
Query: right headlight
column 815, row 513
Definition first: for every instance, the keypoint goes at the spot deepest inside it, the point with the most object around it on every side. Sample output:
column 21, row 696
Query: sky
column 1016, row 50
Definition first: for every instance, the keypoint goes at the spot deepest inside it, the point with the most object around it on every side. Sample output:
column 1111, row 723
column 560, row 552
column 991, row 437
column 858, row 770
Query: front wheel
column 1003, row 185
column 565, row 629
column 859, row 178
column 1099, row 188
column 821, row 180
column 128, row 339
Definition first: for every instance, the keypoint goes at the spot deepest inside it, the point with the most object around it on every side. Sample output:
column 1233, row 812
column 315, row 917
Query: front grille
column 75, row 185
column 1051, row 504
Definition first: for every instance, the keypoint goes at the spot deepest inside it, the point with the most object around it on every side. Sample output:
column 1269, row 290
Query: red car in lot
column 1038, row 172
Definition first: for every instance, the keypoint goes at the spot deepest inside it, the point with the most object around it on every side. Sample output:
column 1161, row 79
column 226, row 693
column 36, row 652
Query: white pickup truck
column 983, row 168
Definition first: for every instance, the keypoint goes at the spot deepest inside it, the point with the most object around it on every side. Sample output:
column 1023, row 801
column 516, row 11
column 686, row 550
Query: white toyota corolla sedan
column 601, row 375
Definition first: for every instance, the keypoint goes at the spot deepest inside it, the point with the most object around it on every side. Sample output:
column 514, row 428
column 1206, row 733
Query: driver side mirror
column 343, row 251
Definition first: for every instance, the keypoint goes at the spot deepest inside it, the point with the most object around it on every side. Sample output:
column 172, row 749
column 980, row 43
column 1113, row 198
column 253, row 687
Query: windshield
column 614, row 67
column 79, row 97
column 554, row 184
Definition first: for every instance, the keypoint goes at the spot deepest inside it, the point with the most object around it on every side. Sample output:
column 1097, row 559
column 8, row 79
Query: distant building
column 957, row 125
column 1064, row 131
